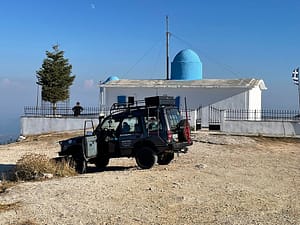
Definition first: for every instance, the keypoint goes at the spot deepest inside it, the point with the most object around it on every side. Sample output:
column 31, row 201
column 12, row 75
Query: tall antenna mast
column 167, row 47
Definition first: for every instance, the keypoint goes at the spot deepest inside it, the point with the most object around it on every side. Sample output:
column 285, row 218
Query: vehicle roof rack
column 155, row 101
column 126, row 106
column 160, row 101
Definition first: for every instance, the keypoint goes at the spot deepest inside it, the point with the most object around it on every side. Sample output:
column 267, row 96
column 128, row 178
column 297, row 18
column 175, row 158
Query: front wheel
column 80, row 166
column 80, row 163
column 145, row 157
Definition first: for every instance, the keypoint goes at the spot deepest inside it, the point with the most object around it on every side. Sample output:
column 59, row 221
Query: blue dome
column 111, row 78
column 186, row 55
column 186, row 66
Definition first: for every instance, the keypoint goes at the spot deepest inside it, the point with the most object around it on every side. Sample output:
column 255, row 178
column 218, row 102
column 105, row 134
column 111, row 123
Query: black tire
column 80, row 163
column 145, row 157
column 165, row 158
column 102, row 162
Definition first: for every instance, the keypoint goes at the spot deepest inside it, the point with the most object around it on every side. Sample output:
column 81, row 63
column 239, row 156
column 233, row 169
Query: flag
column 295, row 76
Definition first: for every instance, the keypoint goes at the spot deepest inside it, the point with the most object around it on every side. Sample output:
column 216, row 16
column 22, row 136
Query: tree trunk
column 54, row 109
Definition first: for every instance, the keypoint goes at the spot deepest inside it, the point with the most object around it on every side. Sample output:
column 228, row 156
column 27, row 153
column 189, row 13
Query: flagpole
column 299, row 97
column 295, row 77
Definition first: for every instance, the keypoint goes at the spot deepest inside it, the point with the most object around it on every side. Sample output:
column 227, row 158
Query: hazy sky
column 126, row 38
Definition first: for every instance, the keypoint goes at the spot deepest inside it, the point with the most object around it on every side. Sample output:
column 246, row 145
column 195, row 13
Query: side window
column 110, row 124
column 131, row 125
column 173, row 117
column 152, row 123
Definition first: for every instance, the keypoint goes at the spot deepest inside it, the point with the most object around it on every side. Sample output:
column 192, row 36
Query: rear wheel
column 145, row 157
column 165, row 158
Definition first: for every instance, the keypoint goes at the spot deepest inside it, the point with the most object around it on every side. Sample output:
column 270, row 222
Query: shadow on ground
column 91, row 169
column 6, row 168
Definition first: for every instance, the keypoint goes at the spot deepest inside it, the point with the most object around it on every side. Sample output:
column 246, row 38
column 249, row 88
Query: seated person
column 125, row 127
column 152, row 124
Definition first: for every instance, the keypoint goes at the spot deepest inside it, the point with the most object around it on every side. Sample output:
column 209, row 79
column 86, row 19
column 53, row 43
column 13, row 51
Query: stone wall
column 42, row 125
column 269, row 128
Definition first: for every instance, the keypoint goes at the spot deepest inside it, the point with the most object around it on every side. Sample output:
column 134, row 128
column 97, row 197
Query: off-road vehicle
column 151, row 130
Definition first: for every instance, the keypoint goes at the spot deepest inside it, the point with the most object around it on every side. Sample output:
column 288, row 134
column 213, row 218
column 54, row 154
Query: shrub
column 26, row 222
column 64, row 168
column 4, row 185
column 34, row 166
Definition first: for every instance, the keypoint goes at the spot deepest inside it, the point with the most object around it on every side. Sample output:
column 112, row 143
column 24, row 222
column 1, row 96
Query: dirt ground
column 222, row 179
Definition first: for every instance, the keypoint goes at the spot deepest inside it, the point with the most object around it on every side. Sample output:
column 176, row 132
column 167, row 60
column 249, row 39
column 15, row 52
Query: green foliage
column 55, row 76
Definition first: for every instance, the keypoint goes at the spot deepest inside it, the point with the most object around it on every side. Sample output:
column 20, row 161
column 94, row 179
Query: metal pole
column 37, row 96
column 185, row 107
column 299, row 95
column 37, row 100
column 167, row 47
column 100, row 95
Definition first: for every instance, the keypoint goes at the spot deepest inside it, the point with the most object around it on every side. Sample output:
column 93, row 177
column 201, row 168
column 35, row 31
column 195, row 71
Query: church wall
column 222, row 98
column 255, row 98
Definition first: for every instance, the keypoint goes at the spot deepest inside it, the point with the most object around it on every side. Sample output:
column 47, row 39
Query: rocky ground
column 221, row 180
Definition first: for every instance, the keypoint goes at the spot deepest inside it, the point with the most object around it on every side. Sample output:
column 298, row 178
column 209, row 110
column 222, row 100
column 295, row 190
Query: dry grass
column 35, row 166
column 4, row 185
column 26, row 222
column 9, row 206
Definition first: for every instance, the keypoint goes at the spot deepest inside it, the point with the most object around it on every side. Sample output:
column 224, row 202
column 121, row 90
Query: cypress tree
column 55, row 77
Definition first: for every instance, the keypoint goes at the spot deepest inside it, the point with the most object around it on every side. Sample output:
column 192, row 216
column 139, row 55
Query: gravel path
column 221, row 180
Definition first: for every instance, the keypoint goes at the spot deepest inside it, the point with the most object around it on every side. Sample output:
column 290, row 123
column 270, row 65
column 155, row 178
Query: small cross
column 295, row 73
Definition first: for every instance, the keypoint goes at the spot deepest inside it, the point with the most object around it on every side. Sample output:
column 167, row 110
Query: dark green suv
column 151, row 131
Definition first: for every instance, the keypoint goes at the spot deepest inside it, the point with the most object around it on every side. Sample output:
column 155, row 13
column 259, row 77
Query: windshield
column 110, row 124
column 173, row 117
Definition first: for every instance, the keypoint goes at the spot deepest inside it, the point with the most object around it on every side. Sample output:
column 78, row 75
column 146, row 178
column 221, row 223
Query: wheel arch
column 144, row 144
column 73, row 150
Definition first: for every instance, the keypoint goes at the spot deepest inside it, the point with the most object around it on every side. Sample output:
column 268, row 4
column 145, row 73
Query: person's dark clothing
column 77, row 109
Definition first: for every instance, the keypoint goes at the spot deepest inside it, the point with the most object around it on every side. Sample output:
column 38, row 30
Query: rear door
column 173, row 119
column 130, row 131
column 156, row 126
column 179, row 127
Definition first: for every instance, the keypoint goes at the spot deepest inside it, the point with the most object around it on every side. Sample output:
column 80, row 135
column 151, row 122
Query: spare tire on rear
column 184, row 130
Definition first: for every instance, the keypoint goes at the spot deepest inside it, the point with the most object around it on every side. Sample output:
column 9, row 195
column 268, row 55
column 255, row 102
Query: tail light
column 170, row 135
